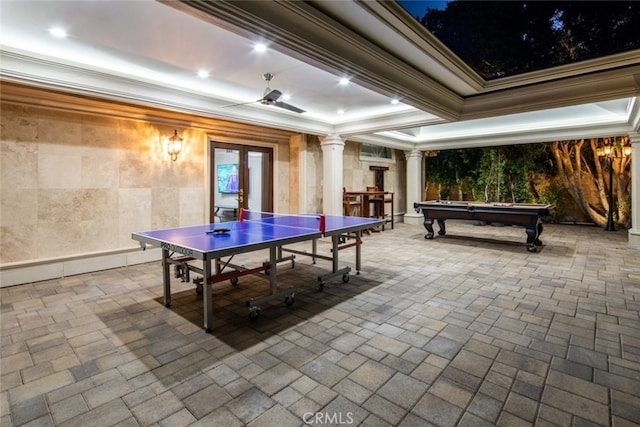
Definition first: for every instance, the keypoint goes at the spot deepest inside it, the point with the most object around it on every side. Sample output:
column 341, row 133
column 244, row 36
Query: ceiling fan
column 271, row 96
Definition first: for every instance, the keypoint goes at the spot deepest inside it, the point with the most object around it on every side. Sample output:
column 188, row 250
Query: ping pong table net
column 308, row 221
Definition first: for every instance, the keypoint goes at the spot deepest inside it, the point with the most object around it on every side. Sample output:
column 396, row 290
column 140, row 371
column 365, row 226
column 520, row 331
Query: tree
column 499, row 174
column 581, row 169
column 498, row 38
column 458, row 169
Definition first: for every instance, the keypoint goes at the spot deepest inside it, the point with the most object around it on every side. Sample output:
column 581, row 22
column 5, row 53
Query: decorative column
column 414, row 185
column 298, row 174
column 332, row 169
column 634, row 231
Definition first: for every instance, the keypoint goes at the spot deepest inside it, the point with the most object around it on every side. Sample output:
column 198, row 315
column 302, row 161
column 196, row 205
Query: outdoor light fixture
column 174, row 146
column 612, row 151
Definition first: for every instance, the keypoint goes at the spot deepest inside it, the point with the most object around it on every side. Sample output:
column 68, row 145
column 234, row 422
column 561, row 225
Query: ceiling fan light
column 58, row 32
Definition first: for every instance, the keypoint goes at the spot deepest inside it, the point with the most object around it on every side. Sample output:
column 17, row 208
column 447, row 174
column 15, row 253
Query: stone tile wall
column 76, row 183
column 357, row 175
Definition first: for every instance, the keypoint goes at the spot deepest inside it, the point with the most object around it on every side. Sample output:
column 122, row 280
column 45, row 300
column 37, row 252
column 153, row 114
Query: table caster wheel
column 234, row 281
column 345, row 278
column 254, row 313
column 289, row 299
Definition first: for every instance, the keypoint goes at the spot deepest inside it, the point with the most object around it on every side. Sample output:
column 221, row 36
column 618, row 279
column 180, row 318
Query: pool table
column 523, row 214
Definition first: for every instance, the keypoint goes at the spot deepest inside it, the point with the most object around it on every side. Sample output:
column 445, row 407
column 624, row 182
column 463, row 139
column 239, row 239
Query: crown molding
column 48, row 98
column 597, row 86
column 69, row 78
column 402, row 120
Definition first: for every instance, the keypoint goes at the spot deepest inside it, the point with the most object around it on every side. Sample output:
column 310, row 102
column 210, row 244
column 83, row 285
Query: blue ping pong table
column 252, row 232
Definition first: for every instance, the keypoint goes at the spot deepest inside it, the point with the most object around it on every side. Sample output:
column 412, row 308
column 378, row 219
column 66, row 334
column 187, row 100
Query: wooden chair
column 388, row 200
column 379, row 206
column 377, row 203
column 351, row 204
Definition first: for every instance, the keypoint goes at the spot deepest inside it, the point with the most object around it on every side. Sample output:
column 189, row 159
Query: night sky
column 419, row 7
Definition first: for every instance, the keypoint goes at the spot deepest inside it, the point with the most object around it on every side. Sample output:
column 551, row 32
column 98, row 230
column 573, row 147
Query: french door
column 242, row 177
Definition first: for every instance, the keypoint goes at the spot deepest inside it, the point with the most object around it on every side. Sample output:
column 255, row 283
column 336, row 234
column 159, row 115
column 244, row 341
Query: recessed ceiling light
column 203, row 74
column 344, row 81
column 395, row 101
column 58, row 32
column 286, row 97
column 341, row 111
column 260, row 47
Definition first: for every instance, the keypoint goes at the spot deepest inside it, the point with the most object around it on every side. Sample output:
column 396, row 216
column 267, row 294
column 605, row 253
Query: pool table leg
column 533, row 237
column 428, row 224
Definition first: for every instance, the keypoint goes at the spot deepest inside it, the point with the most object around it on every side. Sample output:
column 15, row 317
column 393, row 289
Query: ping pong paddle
column 218, row 231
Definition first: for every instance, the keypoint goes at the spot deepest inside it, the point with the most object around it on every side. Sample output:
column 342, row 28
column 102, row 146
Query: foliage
column 454, row 168
column 498, row 38
column 499, row 174
column 508, row 174
column 552, row 195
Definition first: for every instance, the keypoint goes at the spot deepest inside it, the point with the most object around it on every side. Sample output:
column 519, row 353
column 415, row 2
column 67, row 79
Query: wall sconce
column 174, row 146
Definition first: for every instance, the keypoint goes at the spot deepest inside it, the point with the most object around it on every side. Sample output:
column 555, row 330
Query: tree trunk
column 568, row 155
column 572, row 170
column 599, row 178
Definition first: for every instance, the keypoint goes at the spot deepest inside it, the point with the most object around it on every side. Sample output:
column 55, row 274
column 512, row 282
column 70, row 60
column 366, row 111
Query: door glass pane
column 226, row 183
column 258, row 180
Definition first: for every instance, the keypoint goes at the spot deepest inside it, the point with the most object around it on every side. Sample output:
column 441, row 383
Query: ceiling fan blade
column 288, row 107
column 272, row 96
column 241, row 103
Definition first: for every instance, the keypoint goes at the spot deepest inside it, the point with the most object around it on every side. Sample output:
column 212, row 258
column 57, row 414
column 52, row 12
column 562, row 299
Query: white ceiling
column 149, row 52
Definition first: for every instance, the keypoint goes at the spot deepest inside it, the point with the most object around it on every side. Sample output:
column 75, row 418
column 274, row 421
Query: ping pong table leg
column 273, row 265
column 208, row 303
column 335, row 240
column 314, row 250
column 358, row 256
column 166, row 277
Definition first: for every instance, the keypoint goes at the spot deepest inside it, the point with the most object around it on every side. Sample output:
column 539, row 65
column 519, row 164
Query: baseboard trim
column 56, row 268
